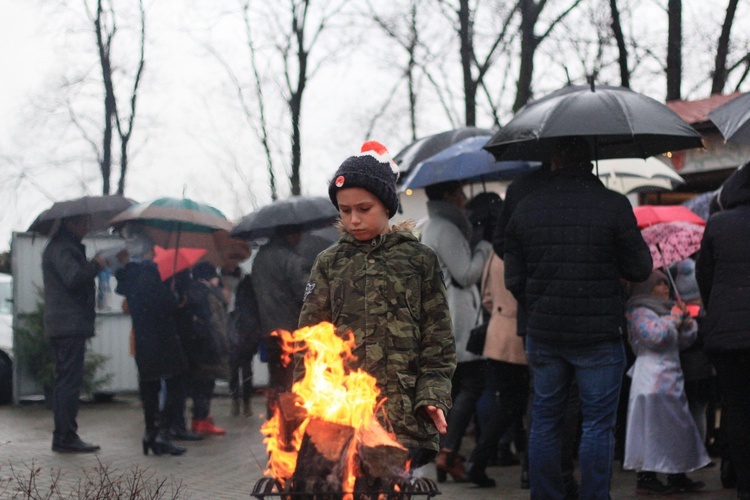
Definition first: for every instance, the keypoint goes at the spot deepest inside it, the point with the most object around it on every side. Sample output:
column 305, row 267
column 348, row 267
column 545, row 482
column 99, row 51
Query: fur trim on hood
column 407, row 226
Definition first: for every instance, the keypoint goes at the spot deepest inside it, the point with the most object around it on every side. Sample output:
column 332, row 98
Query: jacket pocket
column 337, row 298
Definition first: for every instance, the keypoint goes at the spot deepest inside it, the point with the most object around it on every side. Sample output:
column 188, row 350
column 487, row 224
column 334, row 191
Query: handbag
column 478, row 334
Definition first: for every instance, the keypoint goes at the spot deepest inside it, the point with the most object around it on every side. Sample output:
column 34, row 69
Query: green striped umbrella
column 175, row 214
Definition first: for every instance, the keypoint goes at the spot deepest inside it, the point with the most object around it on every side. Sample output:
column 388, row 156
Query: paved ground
column 216, row 468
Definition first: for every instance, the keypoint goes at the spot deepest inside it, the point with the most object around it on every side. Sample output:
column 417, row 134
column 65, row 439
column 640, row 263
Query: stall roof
column 695, row 112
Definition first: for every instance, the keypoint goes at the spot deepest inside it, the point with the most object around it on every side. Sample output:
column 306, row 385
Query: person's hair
column 573, row 152
column 483, row 211
column 438, row 191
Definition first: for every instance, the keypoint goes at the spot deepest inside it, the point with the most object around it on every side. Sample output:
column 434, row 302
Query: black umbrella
column 617, row 122
column 302, row 212
column 423, row 148
column 733, row 119
column 100, row 208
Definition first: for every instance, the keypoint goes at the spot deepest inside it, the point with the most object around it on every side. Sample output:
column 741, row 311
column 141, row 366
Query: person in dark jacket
column 568, row 245
column 279, row 278
column 69, row 314
column 723, row 275
column 158, row 349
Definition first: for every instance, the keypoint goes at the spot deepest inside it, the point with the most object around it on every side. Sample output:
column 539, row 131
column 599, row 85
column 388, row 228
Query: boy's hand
column 438, row 418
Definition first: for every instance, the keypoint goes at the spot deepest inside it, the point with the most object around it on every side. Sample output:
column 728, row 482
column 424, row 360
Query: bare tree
column 674, row 50
column 474, row 67
column 622, row 49
column 722, row 50
column 531, row 11
column 104, row 19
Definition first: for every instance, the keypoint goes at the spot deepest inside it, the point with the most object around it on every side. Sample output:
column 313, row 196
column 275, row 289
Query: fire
column 329, row 391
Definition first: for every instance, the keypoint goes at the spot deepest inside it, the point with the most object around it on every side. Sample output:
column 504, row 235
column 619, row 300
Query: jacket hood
column 736, row 189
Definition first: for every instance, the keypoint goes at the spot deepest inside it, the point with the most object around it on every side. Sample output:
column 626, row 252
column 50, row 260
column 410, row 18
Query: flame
column 329, row 391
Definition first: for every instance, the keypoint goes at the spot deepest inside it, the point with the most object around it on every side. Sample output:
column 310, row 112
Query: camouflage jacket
column 390, row 293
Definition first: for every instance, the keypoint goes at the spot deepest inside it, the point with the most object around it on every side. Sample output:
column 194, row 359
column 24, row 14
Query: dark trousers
column 468, row 380
column 241, row 381
column 280, row 377
column 502, row 402
column 733, row 371
column 69, row 354
column 155, row 419
column 202, row 390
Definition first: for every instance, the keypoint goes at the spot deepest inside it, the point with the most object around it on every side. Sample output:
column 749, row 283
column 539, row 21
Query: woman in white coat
column 448, row 232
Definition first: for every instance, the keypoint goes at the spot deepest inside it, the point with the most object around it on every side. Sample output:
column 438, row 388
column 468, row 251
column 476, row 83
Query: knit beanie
column 373, row 170
column 685, row 281
column 645, row 287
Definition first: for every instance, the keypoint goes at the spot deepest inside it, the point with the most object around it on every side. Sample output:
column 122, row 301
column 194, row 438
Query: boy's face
column 363, row 214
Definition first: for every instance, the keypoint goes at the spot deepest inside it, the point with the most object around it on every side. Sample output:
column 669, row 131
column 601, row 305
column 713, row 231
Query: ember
column 324, row 439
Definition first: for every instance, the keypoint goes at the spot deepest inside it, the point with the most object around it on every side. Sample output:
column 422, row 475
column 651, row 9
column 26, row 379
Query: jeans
column 597, row 368
column 733, row 370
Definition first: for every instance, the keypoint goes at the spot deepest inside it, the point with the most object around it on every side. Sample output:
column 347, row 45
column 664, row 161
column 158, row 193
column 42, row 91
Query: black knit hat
column 373, row 170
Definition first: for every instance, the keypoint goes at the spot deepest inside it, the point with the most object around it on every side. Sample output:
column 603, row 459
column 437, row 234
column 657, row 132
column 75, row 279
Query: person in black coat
column 723, row 274
column 69, row 315
column 158, row 350
column 568, row 246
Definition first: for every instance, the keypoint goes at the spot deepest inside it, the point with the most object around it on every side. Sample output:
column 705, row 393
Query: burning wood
column 324, row 436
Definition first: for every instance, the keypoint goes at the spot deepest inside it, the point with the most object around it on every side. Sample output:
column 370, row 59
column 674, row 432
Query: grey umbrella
column 301, row 212
column 733, row 119
column 100, row 208
column 423, row 148
column 617, row 122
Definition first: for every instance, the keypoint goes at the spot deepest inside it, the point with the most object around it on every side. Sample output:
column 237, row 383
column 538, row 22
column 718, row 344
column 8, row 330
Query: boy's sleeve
column 437, row 348
column 316, row 302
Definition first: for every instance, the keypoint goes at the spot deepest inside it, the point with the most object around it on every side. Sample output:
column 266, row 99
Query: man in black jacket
column 568, row 245
column 69, row 313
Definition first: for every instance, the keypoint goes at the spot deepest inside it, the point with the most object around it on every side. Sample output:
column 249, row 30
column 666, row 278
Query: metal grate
column 408, row 488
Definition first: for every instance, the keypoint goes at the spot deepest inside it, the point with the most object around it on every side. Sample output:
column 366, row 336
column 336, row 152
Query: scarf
column 453, row 214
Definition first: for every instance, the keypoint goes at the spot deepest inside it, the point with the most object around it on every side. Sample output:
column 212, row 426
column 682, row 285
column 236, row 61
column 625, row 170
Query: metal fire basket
column 408, row 488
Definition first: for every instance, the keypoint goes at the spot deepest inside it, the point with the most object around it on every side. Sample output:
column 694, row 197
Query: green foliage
column 34, row 351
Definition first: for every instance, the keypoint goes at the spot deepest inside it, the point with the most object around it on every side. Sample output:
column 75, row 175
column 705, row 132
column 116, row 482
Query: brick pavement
column 216, row 468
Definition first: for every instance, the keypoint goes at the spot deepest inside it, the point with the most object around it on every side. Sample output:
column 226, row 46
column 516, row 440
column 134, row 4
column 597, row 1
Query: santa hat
column 373, row 170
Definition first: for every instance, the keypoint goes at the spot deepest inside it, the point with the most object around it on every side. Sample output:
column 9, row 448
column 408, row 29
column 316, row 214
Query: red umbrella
column 672, row 242
column 648, row 215
column 171, row 261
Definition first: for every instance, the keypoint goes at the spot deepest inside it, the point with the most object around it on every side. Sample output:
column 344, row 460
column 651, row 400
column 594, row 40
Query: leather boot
column 450, row 462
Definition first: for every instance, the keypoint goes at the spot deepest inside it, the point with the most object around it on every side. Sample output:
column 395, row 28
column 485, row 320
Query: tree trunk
column 674, row 51
column 622, row 50
column 722, row 50
column 467, row 53
column 529, row 42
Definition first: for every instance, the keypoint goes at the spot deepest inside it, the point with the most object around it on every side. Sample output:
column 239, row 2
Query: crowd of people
column 589, row 353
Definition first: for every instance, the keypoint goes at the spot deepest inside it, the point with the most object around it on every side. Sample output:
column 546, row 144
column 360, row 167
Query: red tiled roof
column 695, row 111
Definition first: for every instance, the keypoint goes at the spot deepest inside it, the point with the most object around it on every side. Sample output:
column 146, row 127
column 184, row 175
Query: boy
column 385, row 286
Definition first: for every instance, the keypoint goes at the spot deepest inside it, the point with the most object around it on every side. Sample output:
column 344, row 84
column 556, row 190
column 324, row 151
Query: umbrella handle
column 674, row 285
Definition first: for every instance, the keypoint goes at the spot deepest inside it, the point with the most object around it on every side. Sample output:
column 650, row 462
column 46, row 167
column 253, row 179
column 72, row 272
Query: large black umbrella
column 617, row 122
column 100, row 208
column 423, row 148
column 733, row 119
column 301, row 212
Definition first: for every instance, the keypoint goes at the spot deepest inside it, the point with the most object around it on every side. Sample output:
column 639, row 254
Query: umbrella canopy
column 733, row 119
column 628, row 175
column 700, row 204
column 100, row 208
column 672, row 242
column 648, row 215
column 175, row 214
column 464, row 160
column 302, row 212
column 617, row 122
column 421, row 149
column 171, row 261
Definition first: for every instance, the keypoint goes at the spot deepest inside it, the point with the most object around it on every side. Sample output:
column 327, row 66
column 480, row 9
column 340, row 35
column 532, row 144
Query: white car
column 6, row 338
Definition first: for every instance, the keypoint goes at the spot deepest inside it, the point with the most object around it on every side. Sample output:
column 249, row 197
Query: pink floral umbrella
column 672, row 242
